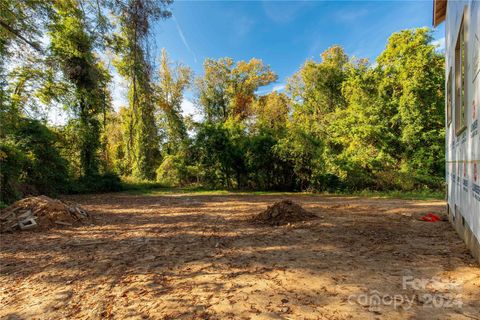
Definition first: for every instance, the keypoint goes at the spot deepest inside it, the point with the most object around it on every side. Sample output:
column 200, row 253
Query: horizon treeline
column 342, row 123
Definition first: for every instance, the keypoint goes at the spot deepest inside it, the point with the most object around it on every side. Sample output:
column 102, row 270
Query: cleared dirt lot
column 187, row 256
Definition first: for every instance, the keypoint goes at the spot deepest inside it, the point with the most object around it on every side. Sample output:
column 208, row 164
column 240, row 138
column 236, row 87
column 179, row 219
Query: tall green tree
column 212, row 89
column 316, row 92
column 228, row 89
column 72, row 47
column 169, row 90
column 412, row 81
column 266, row 168
column 359, row 135
column 226, row 98
column 131, row 44
column 21, row 25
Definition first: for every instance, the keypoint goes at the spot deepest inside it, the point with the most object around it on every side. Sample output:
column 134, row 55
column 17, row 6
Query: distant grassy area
column 405, row 195
column 136, row 186
column 156, row 188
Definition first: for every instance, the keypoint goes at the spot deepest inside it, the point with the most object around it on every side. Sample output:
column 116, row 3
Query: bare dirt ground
column 188, row 256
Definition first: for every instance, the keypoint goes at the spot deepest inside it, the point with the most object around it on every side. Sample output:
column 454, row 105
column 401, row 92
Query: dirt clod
column 41, row 212
column 283, row 212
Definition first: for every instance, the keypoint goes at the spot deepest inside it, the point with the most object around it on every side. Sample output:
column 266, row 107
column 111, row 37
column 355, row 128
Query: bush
column 171, row 171
column 46, row 170
column 134, row 184
column 107, row 182
column 12, row 161
column 30, row 162
column 174, row 172
column 407, row 181
column 330, row 183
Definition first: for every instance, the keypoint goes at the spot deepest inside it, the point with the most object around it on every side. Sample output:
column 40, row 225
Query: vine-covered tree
column 131, row 44
column 172, row 83
column 72, row 47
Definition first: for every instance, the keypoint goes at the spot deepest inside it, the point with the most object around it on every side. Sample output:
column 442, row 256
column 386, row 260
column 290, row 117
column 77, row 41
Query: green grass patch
column 141, row 187
column 404, row 195
column 156, row 189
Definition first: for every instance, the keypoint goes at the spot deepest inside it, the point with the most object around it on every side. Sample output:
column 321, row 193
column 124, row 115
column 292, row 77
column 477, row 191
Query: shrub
column 12, row 161
column 46, row 170
column 171, row 171
column 407, row 181
column 30, row 162
column 174, row 172
column 107, row 182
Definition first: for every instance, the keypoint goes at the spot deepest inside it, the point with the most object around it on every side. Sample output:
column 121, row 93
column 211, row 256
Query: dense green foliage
column 30, row 161
column 130, row 43
column 342, row 124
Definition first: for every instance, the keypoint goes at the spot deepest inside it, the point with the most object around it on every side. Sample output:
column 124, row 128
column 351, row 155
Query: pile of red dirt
column 283, row 212
column 43, row 212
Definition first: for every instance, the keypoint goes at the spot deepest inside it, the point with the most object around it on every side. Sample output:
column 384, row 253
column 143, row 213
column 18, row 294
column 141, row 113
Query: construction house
column 462, row 97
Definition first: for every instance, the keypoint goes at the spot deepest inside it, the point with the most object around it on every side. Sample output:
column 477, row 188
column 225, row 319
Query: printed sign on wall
column 475, row 182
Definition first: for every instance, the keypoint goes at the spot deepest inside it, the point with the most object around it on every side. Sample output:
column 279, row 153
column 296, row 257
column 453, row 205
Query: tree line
column 342, row 123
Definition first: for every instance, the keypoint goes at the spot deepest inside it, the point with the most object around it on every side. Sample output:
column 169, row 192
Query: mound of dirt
column 41, row 212
column 283, row 212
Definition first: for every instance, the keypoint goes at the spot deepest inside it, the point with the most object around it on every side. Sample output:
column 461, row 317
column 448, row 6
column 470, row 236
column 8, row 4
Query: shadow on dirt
column 207, row 240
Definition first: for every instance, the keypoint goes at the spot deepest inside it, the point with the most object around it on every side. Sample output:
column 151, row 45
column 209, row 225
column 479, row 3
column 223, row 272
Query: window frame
column 461, row 79
column 449, row 104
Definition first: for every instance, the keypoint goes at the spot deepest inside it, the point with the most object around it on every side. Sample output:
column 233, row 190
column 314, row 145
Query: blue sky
column 281, row 33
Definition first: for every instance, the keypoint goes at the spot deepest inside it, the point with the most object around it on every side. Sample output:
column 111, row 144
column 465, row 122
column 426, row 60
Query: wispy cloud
column 243, row 25
column 184, row 40
column 440, row 44
column 279, row 87
column 351, row 15
column 283, row 11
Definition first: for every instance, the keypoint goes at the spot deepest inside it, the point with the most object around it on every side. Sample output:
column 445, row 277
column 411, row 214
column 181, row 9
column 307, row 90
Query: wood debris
column 41, row 211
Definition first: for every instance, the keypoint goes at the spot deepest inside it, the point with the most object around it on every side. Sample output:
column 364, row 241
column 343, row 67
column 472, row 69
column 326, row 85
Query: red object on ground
column 430, row 217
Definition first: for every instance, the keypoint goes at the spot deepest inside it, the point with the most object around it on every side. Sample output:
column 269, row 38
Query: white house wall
column 463, row 151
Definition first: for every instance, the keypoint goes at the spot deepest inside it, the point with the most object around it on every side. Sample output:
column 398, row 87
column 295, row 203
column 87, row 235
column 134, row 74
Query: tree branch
column 18, row 35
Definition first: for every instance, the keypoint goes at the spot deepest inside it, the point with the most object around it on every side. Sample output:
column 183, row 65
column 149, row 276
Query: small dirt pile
column 283, row 212
column 41, row 212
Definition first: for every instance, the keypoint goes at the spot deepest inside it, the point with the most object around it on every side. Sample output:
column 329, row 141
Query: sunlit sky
column 281, row 33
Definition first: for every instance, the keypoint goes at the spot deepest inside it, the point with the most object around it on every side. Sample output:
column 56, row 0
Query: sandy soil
column 187, row 256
